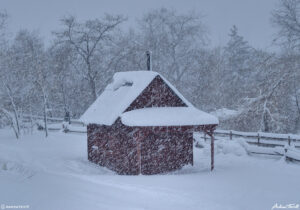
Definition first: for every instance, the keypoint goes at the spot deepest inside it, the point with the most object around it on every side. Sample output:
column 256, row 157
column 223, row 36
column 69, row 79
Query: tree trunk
column 9, row 116
column 92, row 82
column 45, row 112
column 94, row 92
column 16, row 125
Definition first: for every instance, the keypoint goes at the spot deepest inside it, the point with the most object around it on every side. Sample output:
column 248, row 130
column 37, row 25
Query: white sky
column 252, row 17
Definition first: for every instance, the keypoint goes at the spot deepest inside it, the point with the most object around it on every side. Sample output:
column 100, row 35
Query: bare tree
column 287, row 19
column 175, row 41
column 8, row 104
column 3, row 24
column 86, row 39
column 25, row 79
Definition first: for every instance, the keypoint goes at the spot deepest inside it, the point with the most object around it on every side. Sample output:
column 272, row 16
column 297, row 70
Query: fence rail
column 27, row 117
column 258, row 138
column 286, row 145
column 263, row 139
column 261, row 134
column 258, row 143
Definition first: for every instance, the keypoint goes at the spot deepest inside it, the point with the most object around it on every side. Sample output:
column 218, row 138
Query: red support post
column 212, row 150
column 138, row 148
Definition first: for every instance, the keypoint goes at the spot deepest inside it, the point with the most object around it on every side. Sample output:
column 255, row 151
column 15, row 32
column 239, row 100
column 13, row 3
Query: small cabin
column 141, row 124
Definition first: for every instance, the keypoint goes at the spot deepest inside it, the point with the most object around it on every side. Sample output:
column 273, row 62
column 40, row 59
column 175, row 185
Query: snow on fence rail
column 65, row 127
column 50, row 119
column 261, row 134
column 70, row 128
column 263, row 139
column 289, row 152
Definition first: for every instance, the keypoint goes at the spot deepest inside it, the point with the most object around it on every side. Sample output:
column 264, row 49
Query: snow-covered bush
column 229, row 147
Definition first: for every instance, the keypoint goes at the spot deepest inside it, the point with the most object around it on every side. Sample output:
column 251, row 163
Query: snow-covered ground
column 54, row 174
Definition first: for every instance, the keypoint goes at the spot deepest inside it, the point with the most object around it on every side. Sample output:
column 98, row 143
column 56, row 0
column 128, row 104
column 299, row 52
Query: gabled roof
column 117, row 96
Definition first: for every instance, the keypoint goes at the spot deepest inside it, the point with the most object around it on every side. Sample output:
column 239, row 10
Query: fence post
column 205, row 136
column 230, row 134
column 289, row 140
column 285, row 151
column 258, row 138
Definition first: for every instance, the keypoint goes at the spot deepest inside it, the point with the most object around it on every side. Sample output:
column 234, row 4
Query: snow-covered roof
column 167, row 116
column 118, row 95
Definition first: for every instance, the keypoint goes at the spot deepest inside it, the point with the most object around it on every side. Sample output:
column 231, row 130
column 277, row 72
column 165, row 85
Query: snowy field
column 54, row 174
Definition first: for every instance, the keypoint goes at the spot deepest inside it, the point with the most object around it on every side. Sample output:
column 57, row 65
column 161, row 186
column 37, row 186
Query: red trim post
column 212, row 151
column 139, row 160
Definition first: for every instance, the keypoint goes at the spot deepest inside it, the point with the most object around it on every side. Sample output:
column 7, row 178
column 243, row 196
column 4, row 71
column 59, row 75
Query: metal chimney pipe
column 149, row 60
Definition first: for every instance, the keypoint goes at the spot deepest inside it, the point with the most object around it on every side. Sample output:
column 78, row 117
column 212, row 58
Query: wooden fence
column 253, row 138
column 262, row 139
column 51, row 120
column 286, row 145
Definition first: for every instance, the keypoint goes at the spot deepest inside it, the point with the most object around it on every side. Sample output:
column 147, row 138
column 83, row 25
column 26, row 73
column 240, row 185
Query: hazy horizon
column 251, row 17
